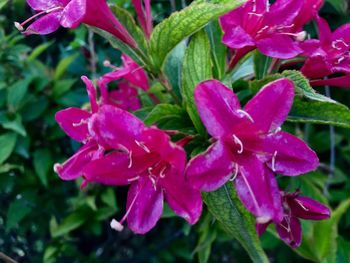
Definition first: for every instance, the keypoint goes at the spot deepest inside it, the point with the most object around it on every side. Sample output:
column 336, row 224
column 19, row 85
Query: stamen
column 144, row 147
column 255, row 14
column 340, row 60
column 235, row 174
column 162, row 174
column 339, row 41
column 262, row 29
column 82, row 122
column 118, row 226
column 246, row 114
column 130, row 159
column 19, row 26
column 273, row 162
column 306, row 209
column 134, row 179
column 298, row 36
column 108, row 64
column 154, row 183
column 239, row 142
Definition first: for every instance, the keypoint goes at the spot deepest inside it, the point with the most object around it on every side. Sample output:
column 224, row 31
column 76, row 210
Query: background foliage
column 45, row 219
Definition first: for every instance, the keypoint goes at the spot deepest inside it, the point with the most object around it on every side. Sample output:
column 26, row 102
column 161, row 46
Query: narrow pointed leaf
column 226, row 207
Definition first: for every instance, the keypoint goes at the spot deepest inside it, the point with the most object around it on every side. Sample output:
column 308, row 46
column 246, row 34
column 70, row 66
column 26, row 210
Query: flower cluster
column 248, row 146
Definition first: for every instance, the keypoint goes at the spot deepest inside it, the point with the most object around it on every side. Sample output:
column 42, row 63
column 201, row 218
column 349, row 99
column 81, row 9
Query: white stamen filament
column 130, row 159
column 340, row 60
column 273, row 162
column 255, row 14
column 235, row 174
column 246, row 114
column 262, row 29
column 162, row 174
column 144, row 147
column 302, row 205
column 134, row 179
column 108, row 64
column 82, row 121
column 339, row 41
column 239, row 142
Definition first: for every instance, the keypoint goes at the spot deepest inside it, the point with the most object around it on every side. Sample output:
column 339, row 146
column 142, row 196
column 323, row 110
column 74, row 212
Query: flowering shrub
column 187, row 140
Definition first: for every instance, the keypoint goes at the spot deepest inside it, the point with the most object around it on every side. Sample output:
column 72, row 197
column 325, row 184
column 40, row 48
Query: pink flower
column 275, row 31
column 70, row 13
column 144, row 14
column 328, row 55
column 147, row 159
column 249, row 146
column 126, row 96
column 295, row 207
column 74, row 122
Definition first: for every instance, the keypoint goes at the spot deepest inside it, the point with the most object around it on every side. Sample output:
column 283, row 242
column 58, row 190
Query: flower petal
column 279, row 46
column 258, row 190
column 292, row 155
column 91, row 91
column 212, row 169
column 307, row 208
column 283, row 13
column 73, row 167
column 312, row 47
column 217, row 106
column 289, row 231
column 145, row 204
column 44, row 25
column 316, row 67
column 74, row 122
column 270, row 106
column 125, row 97
column 115, row 168
column 237, row 37
column 136, row 74
column 73, row 13
column 181, row 197
column 115, row 128
column 43, row 5
column 324, row 31
column 343, row 33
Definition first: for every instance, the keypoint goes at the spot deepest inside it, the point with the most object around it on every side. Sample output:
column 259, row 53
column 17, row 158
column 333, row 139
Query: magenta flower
column 249, row 145
column 329, row 54
column 144, row 14
column 275, row 31
column 70, row 13
column 133, row 77
column 147, row 159
column 74, row 122
column 295, row 207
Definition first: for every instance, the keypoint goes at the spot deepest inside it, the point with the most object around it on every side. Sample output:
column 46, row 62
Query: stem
column 274, row 66
column 7, row 259
column 92, row 52
column 168, row 88
column 332, row 150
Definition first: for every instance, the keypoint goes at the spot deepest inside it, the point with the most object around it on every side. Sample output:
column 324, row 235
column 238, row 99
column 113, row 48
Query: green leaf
column 70, row 223
column 63, row 65
column 340, row 5
column 129, row 23
column 163, row 111
column 218, row 49
column 196, row 68
column 108, row 197
column 7, row 145
column 16, row 93
column 38, row 51
column 226, row 207
column 42, row 164
column 62, row 86
column 320, row 113
column 262, row 64
column 17, row 211
column 117, row 44
column 15, row 125
column 182, row 24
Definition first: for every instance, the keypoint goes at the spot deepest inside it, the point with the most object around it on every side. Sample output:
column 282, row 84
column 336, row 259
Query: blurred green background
column 43, row 219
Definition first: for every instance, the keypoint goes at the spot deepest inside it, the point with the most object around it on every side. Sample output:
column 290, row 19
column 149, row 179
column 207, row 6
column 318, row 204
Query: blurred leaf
column 42, row 164
column 17, row 211
column 15, row 125
column 39, row 50
column 182, row 24
column 340, row 5
column 3, row 3
column 226, row 207
column 70, row 223
column 197, row 67
column 50, row 254
column 108, row 197
column 262, row 64
column 62, row 86
column 7, row 144
column 16, row 93
column 63, row 65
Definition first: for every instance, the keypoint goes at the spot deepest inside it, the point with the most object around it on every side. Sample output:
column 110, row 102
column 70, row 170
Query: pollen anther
column 246, row 114
column 239, row 142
